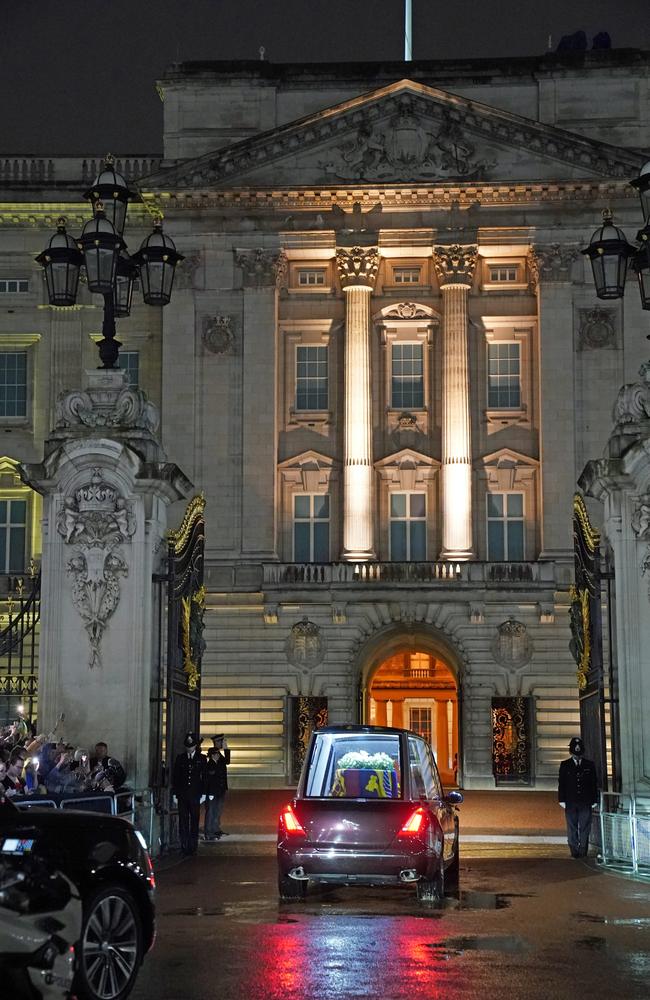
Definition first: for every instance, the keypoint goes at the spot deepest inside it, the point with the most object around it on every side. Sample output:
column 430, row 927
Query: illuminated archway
column 410, row 678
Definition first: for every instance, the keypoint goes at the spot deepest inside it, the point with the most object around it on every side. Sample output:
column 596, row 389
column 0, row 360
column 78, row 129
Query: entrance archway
column 415, row 690
column 410, row 680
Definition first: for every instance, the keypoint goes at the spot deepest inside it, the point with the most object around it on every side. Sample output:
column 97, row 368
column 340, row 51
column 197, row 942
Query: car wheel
column 432, row 890
column 292, row 888
column 110, row 950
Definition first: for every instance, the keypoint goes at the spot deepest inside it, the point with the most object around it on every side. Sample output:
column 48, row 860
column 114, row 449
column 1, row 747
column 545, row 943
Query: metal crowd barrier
column 625, row 833
column 136, row 806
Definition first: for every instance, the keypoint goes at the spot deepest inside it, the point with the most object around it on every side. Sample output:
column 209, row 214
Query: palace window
column 406, row 275
column 504, row 375
column 312, row 277
column 13, row 520
column 407, row 376
column 311, row 527
column 420, row 722
column 505, row 527
column 311, row 378
column 408, row 527
column 13, row 286
column 129, row 361
column 503, row 273
column 13, row 384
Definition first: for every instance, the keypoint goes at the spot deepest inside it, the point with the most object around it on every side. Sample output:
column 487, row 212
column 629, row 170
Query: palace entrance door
column 418, row 691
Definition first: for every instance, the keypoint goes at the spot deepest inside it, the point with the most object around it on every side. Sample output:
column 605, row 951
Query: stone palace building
column 385, row 366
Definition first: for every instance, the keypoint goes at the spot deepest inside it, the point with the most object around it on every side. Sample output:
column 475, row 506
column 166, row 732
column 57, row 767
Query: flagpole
column 408, row 21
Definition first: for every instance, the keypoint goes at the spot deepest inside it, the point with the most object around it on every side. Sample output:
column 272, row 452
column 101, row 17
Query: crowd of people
column 34, row 763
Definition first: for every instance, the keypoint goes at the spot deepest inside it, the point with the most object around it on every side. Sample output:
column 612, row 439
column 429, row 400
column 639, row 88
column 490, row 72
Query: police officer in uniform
column 216, row 786
column 577, row 793
column 188, row 784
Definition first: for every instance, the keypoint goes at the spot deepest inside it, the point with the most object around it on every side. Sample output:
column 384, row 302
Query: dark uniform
column 578, row 790
column 216, row 786
column 188, row 785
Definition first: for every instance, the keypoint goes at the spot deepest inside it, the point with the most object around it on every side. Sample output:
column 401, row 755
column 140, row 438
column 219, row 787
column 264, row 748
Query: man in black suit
column 216, row 786
column 188, row 785
column 577, row 793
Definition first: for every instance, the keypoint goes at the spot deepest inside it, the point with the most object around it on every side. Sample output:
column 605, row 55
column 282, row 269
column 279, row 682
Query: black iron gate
column 19, row 639
column 587, row 637
column 181, row 645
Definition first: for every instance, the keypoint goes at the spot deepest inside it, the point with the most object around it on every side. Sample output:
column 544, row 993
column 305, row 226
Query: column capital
column 358, row 266
column 261, row 268
column 455, row 264
column 552, row 261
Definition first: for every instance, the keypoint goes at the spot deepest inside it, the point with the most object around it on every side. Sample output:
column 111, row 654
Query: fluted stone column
column 455, row 268
column 358, row 269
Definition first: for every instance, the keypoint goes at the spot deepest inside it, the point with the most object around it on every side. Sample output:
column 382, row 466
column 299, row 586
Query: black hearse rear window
column 355, row 766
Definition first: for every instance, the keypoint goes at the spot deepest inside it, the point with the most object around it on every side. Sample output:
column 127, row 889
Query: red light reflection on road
column 336, row 957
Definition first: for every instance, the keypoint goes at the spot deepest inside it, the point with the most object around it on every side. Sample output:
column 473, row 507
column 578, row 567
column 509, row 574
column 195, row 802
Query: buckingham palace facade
column 384, row 365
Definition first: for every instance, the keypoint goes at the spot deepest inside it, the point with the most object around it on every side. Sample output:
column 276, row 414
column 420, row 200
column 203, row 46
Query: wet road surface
column 524, row 929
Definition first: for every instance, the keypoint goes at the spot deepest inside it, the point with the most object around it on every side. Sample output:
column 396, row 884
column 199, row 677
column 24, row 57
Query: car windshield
column 355, row 766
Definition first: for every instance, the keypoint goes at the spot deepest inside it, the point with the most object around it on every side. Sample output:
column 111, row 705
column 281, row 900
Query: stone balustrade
column 73, row 170
column 375, row 573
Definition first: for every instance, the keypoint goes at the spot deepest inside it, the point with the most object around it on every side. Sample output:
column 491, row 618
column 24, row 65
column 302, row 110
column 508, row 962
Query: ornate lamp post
column 610, row 252
column 110, row 271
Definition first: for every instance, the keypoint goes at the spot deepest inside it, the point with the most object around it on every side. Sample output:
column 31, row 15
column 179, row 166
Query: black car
column 106, row 858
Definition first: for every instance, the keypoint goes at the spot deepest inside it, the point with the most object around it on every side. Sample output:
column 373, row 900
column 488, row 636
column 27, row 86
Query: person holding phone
column 216, row 786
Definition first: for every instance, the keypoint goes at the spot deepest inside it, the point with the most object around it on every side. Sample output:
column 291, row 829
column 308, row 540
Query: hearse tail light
column 415, row 823
column 291, row 823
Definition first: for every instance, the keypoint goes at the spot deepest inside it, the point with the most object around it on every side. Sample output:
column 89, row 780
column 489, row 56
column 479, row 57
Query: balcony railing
column 375, row 573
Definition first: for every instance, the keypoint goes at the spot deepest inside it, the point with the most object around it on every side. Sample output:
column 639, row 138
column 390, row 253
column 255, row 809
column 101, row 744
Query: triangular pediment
column 403, row 133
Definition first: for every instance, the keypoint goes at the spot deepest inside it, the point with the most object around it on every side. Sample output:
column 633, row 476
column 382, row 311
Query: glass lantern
column 111, row 191
column 61, row 261
column 157, row 259
column 642, row 184
column 101, row 246
column 609, row 253
column 125, row 277
column 641, row 265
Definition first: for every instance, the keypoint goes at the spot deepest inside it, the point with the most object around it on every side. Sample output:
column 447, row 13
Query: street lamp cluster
column 110, row 270
column 610, row 252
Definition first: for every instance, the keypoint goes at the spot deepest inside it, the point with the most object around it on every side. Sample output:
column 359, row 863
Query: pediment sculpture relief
column 406, row 148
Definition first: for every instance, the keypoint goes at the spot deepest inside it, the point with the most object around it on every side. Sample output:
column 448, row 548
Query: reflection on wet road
column 524, row 929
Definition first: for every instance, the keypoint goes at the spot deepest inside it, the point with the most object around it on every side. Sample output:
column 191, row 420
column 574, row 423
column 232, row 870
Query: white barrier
column 625, row 833
column 136, row 806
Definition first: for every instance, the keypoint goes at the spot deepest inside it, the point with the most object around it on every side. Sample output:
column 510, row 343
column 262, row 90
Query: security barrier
column 136, row 806
column 625, row 833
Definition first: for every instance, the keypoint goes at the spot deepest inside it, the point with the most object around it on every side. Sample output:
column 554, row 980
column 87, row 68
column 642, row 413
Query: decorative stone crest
column 358, row 266
column 262, row 268
column 407, row 146
column 218, row 334
column 96, row 521
column 407, row 422
column 407, row 310
column 552, row 262
column 597, row 329
column 512, row 646
column 305, row 647
column 632, row 404
column 455, row 264
column 121, row 407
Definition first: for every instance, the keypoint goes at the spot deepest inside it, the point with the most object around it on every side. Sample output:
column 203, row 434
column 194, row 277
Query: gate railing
column 625, row 833
column 19, row 646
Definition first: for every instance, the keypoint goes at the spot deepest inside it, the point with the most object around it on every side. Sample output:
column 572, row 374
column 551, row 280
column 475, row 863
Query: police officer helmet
column 191, row 740
column 576, row 746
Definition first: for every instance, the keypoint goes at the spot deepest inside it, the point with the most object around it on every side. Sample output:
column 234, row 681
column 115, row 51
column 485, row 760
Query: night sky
column 78, row 76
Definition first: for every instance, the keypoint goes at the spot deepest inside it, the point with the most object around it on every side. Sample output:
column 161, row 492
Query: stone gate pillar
column 622, row 482
column 106, row 486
